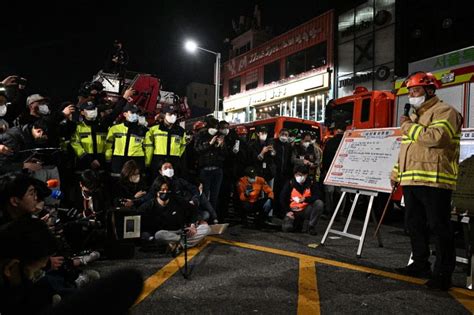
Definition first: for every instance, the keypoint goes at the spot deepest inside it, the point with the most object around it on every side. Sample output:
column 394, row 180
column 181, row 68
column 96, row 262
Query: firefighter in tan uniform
column 427, row 170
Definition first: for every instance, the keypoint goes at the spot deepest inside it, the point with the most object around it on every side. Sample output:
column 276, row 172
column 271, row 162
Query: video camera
column 87, row 87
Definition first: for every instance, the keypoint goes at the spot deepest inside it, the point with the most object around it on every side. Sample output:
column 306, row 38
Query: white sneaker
column 87, row 259
column 86, row 277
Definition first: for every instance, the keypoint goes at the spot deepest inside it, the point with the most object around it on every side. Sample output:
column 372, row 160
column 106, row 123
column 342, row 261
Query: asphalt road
column 247, row 271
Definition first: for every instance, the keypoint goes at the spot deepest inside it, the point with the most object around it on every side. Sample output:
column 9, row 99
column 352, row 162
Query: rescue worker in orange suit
column 427, row 170
column 301, row 200
column 255, row 195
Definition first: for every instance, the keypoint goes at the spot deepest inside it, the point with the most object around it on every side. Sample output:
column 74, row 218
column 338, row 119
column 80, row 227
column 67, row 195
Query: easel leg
column 364, row 229
column 379, row 235
column 349, row 218
column 186, row 275
column 341, row 199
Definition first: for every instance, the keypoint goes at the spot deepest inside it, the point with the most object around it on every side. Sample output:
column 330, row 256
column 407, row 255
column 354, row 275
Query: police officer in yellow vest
column 427, row 169
column 126, row 141
column 166, row 142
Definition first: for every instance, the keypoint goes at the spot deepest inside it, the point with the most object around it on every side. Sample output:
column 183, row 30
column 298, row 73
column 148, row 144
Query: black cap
column 88, row 106
column 171, row 109
column 250, row 171
column 130, row 107
column 262, row 129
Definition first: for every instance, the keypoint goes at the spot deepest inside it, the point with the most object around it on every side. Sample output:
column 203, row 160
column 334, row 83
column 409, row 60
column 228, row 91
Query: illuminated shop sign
column 293, row 88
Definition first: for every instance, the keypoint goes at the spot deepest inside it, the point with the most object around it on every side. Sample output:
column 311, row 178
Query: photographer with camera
column 262, row 155
column 168, row 215
column 117, row 59
column 11, row 96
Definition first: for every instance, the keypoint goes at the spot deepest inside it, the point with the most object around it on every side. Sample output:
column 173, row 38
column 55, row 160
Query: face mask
column 416, row 101
column 169, row 172
column 43, row 109
column 252, row 180
column 3, row 110
column 170, row 118
column 300, row 179
column 283, row 139
column 132, row 118
column 135, row 179
column 212, row 131
column 164, row 195
column 142, row 121
column 313, row 141
column 90, row 114
column 263, row 137
column 224, row 132
column 306, row 144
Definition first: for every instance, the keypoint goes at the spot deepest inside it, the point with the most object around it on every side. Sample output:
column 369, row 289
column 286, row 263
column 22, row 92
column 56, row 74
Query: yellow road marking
column 456, row 291
column 308, row 296
column 464, row 298
column 156, row 280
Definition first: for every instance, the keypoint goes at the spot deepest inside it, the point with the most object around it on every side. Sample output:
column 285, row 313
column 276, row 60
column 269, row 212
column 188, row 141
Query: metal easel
column 344, row 233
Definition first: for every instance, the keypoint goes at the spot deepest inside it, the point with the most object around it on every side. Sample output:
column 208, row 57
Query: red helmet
column 241, row 130
column 421, row 79
column 199, row 125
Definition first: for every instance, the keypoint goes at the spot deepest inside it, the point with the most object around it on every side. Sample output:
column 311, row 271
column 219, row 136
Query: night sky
column 57, row 48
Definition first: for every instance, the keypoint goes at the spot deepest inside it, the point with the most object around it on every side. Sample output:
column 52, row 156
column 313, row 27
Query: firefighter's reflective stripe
column 157, row 143
column 444, row 124
column 82, row 142
column 298, row 206
column 426, row 176
column 414, row 132
column 117, row 141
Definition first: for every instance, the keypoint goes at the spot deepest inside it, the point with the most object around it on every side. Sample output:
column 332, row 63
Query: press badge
column 264, row 165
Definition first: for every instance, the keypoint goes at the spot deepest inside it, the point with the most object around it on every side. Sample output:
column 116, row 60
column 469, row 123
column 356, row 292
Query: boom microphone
column 407, row 110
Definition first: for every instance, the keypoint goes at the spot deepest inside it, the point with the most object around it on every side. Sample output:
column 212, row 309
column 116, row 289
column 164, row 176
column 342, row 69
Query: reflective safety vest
column 164, row 142
column 429, row 152
column 298, row 206
column 88, row 140
column 124, row 141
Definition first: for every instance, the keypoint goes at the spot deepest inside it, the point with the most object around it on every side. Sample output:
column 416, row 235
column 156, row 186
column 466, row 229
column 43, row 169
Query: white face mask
column 300, row 179
column 169, row 172
column 416, row 101
column 90, row 114
column 3, row 110
column 170, row 118
column 212, row 131
column 225, row 132
column 132, row 117
column 283, row 139
column 142, row 121
column 252, row 180
column 43, row 109
column 313, row 141
column 306, row 144
column 263, row 137
column 135, row 178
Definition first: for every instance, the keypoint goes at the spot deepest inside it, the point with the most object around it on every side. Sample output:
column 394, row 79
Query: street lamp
column 191, row 46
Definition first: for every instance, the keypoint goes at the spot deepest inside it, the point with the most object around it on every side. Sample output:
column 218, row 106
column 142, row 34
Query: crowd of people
column 70, row 166
column 67, row 170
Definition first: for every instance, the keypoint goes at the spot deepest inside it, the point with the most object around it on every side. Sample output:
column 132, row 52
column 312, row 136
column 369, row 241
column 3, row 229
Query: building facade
column 289, row 75
column 366, row 47
column 201, row 95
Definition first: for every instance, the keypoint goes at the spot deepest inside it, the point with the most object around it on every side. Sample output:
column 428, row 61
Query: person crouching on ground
column 255, row 196
column 301, row 200
column 167, row 215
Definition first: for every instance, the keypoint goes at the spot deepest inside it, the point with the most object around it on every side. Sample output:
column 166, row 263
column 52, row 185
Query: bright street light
column 191, row 46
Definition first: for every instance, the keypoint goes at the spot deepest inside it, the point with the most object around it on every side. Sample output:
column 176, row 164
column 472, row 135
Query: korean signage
column 311, row 33
column 270, row 94
column 449, row 60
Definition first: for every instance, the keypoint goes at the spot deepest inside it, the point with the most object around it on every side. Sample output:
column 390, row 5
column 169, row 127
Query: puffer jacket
column 429, row 152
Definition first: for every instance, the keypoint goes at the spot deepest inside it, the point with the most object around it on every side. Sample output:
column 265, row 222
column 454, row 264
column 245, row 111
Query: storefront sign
column 270, row 94
column 306, row 35
column 451, row 59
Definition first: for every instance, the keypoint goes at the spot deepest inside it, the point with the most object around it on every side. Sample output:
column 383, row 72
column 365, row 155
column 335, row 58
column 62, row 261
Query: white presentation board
column 365, row 159
column 463, row 196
